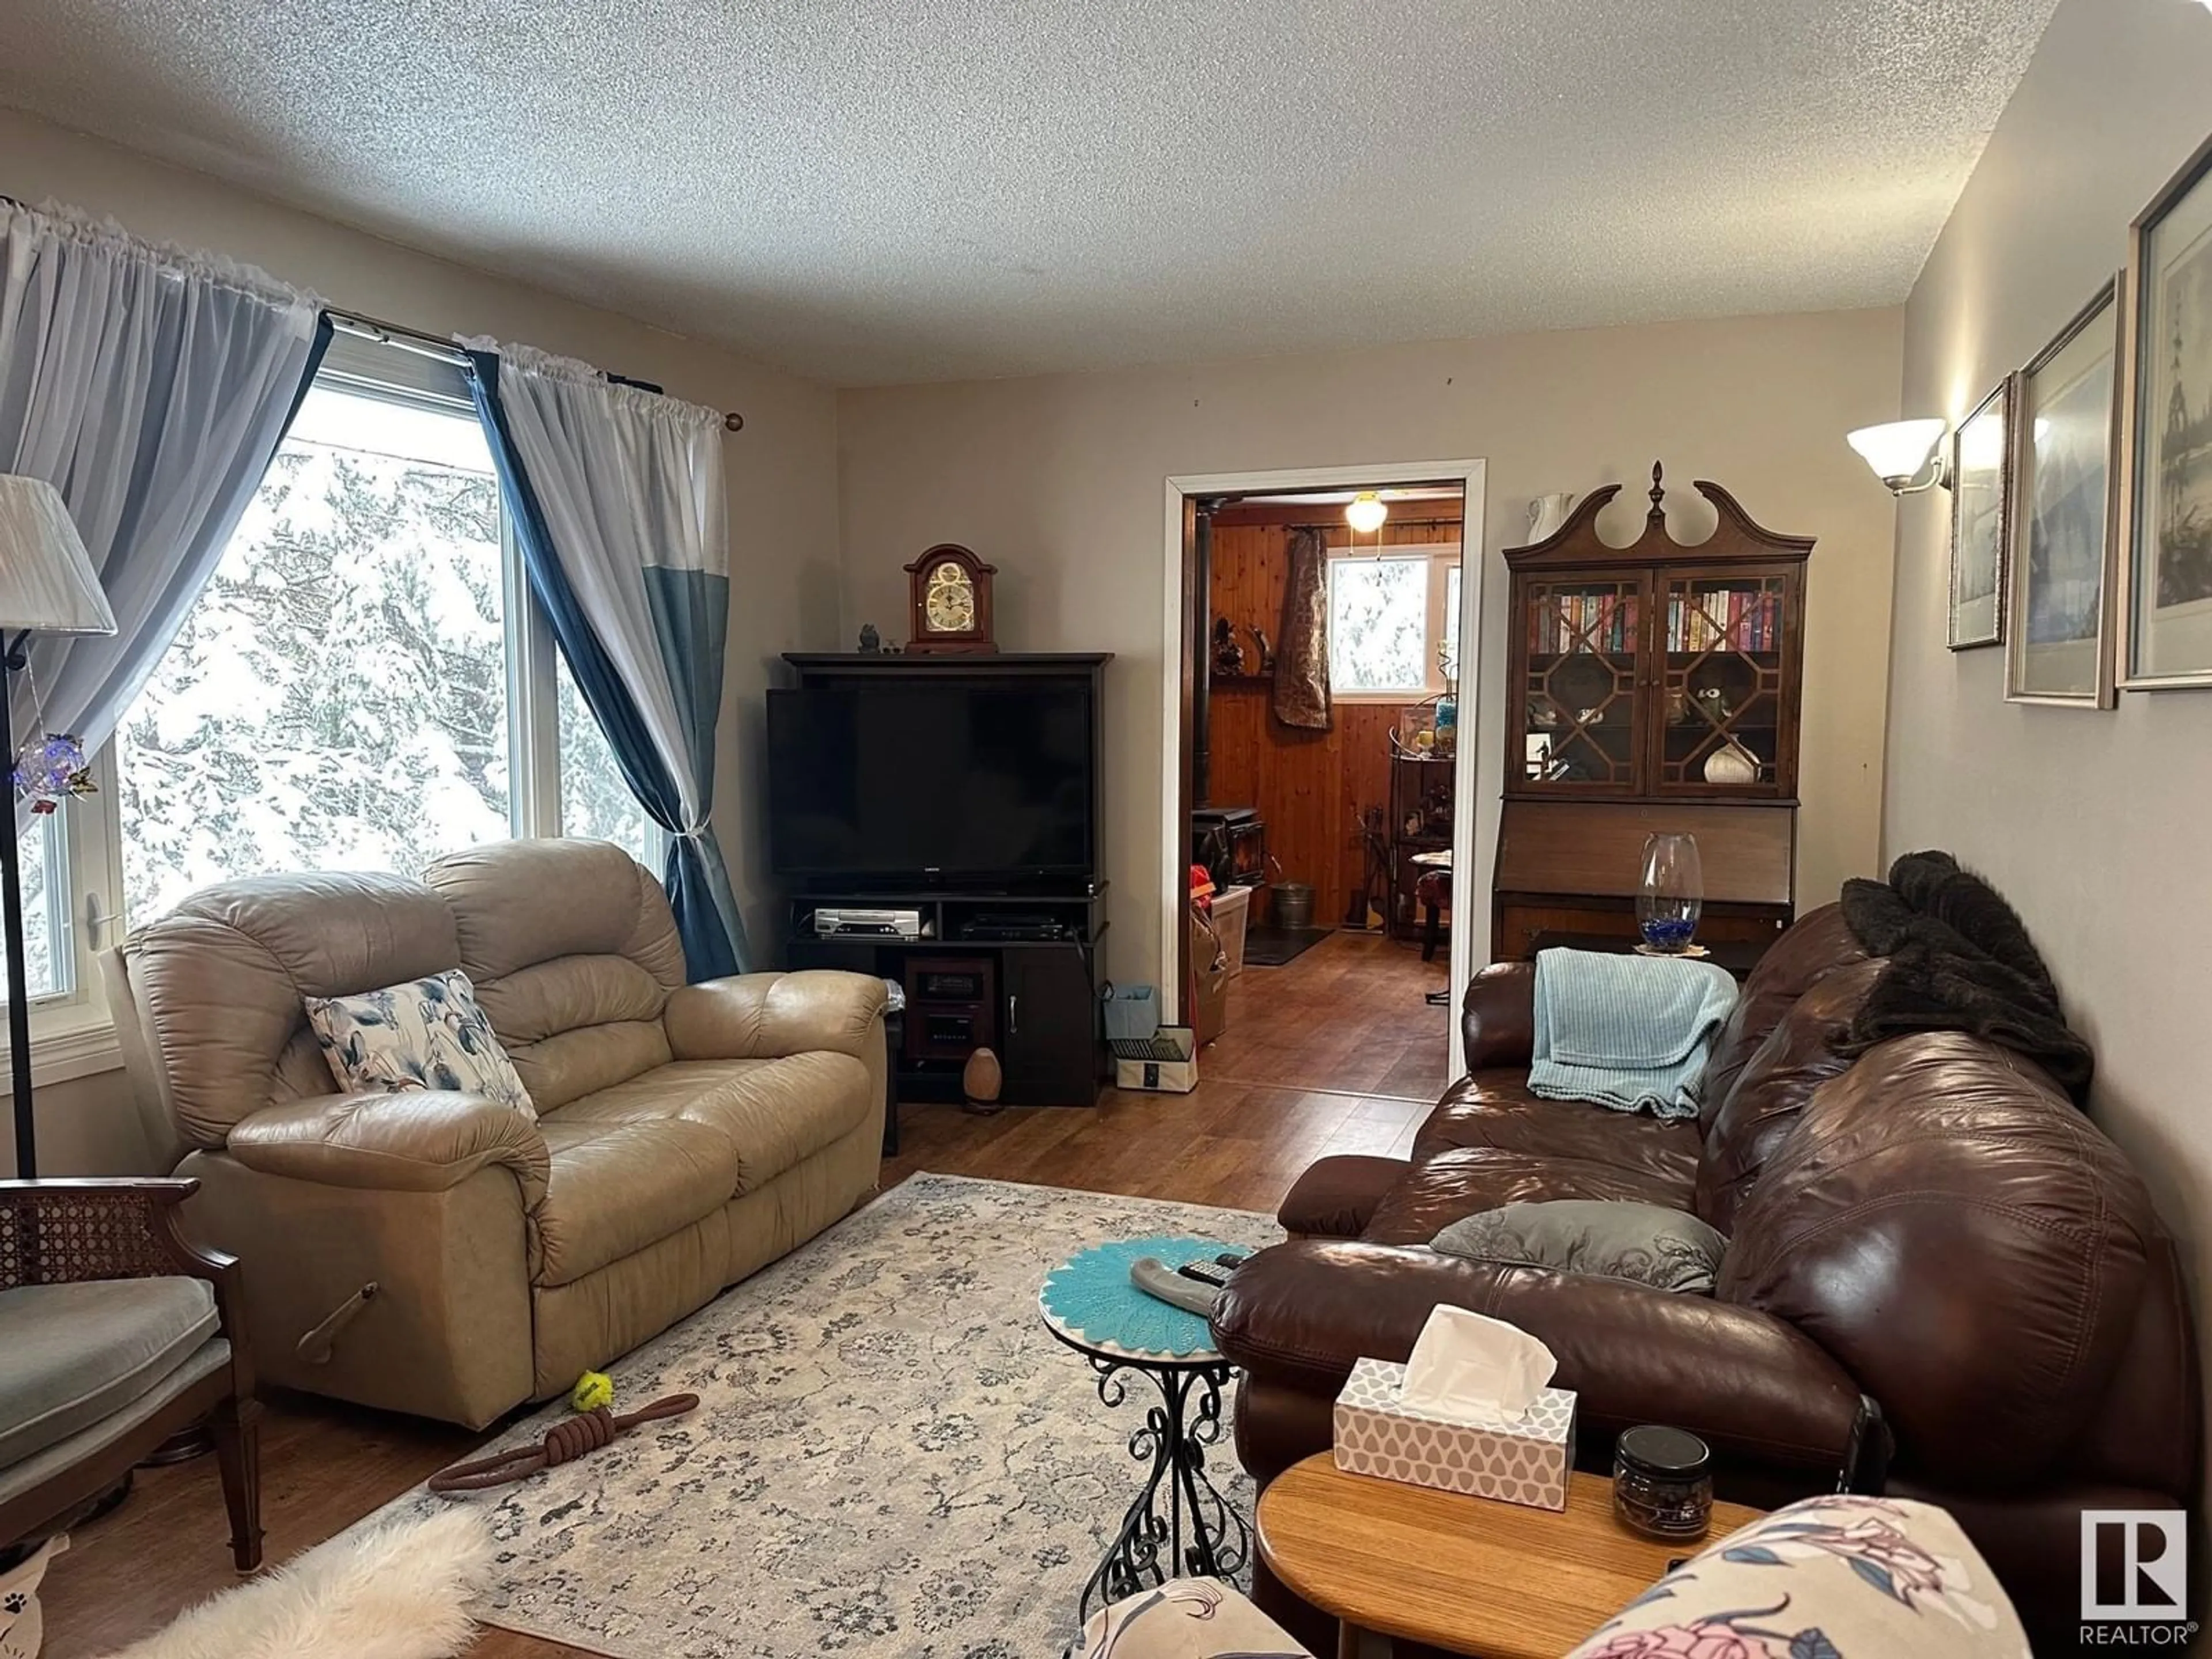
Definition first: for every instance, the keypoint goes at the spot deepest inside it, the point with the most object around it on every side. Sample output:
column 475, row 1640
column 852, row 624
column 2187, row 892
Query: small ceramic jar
column 1662, row 1483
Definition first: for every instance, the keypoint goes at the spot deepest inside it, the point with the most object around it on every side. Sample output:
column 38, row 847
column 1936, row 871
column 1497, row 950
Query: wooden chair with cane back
column 116, row 1333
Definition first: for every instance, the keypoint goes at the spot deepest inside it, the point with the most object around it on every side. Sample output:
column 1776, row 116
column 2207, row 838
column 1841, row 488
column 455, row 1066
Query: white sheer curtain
column 630, row 481
column 624, row 525
column 150, row 387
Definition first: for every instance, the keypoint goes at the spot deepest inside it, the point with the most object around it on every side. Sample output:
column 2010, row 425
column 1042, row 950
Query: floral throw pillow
column 1835, row 1577
column 426, row 1034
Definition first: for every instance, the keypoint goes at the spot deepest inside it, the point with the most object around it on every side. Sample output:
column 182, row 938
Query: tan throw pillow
column 425, row 1034
column 1607, row 1238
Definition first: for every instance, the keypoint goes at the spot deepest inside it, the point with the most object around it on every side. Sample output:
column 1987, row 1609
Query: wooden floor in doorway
column 1335, row 1052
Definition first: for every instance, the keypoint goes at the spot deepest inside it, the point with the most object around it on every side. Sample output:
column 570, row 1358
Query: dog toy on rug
column 592, row 1390
column 564, row 1442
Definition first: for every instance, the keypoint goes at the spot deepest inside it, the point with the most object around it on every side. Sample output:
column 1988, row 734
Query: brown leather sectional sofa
column 1933, row 1224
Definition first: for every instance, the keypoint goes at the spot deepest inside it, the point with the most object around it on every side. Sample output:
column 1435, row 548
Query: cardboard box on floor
column 1209, row 974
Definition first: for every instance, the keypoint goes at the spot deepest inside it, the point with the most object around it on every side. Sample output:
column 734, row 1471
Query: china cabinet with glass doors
column 1654, row 686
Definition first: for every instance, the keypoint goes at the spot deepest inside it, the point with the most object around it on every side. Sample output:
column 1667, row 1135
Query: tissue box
column 1526, row 1461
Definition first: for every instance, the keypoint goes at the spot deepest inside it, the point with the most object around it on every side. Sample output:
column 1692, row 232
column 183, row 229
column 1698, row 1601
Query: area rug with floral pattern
column 890, row 1455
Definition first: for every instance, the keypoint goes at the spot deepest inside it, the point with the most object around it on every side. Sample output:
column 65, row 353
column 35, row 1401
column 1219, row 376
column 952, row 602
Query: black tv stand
column 1037, row 957
column 1008, row 962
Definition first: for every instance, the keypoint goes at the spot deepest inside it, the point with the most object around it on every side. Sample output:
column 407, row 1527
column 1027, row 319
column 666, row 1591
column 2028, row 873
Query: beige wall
column 782, row 479
column 1059, row 481
column 2093, row 823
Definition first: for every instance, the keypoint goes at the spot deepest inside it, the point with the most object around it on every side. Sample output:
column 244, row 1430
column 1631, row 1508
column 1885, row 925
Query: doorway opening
column 1327, row 625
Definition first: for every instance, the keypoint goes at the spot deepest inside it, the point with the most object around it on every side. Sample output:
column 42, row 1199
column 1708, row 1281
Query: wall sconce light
column 1906, row 455
column 1366, row 513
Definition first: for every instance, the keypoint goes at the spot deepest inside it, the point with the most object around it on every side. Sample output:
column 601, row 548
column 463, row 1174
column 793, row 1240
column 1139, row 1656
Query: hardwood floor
column 1334, row 1052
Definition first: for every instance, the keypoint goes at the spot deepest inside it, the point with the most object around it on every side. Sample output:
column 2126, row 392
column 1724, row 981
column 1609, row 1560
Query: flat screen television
column 944, row 780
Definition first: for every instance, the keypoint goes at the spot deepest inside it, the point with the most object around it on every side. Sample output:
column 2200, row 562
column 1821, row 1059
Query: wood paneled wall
column 1310, row 786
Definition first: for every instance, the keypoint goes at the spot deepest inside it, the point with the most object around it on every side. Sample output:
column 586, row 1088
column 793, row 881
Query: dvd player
column 847, row 923
column 1015, row 927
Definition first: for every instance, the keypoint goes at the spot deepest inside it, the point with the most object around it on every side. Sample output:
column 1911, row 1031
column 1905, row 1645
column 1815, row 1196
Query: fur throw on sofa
column 1959, row 959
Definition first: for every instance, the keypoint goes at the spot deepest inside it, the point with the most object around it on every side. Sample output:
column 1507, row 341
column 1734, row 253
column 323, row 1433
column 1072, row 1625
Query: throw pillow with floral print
column 426, row 1034
column 1837, row 1577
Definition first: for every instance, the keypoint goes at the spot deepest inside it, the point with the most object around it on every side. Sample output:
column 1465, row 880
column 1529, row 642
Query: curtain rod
column 402, row 338
column 413, row 339
column 1339, row 524
column 1335, row 526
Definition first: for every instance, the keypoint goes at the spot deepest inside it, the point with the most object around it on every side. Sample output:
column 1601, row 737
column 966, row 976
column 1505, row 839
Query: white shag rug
column 399, row 1588
column 890, row 1457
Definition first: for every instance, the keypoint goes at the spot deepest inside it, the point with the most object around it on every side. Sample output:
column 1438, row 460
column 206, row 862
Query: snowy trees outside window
column 40, row 847
column 339, row 698
column 1392, row 620
column 1378, row 624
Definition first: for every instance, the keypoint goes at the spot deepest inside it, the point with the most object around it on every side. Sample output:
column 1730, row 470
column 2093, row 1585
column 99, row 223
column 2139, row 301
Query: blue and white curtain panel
column 616, row 495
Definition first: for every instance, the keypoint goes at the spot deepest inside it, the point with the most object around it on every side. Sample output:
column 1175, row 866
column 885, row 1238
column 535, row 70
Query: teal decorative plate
column 1090, row 1301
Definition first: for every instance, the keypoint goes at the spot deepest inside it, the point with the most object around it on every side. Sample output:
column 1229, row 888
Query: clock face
column 950, row 605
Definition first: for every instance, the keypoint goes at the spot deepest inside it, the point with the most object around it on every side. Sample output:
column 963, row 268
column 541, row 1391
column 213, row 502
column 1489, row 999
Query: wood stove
column 1231, row 842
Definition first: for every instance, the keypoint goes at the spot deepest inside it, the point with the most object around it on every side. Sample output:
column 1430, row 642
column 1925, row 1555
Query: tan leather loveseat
column 437, row 1252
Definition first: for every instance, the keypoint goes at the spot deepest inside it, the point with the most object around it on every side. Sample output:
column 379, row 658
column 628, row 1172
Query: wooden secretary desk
column 1650, row 687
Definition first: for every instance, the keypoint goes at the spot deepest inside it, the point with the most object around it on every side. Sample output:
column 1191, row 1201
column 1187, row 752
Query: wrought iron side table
column 1180, row 1524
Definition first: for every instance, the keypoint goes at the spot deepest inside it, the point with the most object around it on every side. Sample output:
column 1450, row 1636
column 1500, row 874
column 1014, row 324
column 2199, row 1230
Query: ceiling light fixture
column 1905, row 455
column 1366, row 513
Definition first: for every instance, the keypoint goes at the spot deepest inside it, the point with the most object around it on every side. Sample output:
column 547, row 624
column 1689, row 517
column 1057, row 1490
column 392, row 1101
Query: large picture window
column 364, row 683
column 337, row 699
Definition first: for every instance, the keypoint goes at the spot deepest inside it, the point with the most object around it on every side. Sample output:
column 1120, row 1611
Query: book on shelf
column 1731, row 619
column 1698, row 620
column 1583, row 622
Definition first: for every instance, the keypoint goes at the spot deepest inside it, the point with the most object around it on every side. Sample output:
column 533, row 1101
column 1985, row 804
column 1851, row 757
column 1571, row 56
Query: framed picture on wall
column 2066, row 535
column 2167, row 438
column 1981, row 520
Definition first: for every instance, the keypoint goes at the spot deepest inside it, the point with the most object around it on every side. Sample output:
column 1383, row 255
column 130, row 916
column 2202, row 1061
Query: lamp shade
column 47, row 580
column 1897, row 450
column 1366, row 513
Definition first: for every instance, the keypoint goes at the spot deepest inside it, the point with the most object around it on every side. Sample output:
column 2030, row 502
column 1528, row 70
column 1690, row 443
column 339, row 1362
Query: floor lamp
column 46, row 586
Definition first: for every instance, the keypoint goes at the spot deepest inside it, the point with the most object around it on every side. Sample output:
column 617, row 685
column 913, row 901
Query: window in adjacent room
column 1448, row 659
column 1394, row 620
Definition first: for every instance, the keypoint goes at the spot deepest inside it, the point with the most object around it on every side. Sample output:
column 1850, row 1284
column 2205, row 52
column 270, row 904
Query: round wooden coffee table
column 1470, row 1574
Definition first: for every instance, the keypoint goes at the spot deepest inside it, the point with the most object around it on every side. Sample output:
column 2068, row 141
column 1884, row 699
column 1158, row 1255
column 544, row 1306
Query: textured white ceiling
column 872, row 191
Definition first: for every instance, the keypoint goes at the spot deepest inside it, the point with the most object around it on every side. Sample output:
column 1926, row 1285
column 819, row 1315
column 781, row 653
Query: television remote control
column 1152, row 1276
column 1206, row 1272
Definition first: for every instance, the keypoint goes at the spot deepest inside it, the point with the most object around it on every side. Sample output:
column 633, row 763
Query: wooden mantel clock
column 951, row 608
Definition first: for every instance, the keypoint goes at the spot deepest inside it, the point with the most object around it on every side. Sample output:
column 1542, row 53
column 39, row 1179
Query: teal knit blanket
column 1626, row 1032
